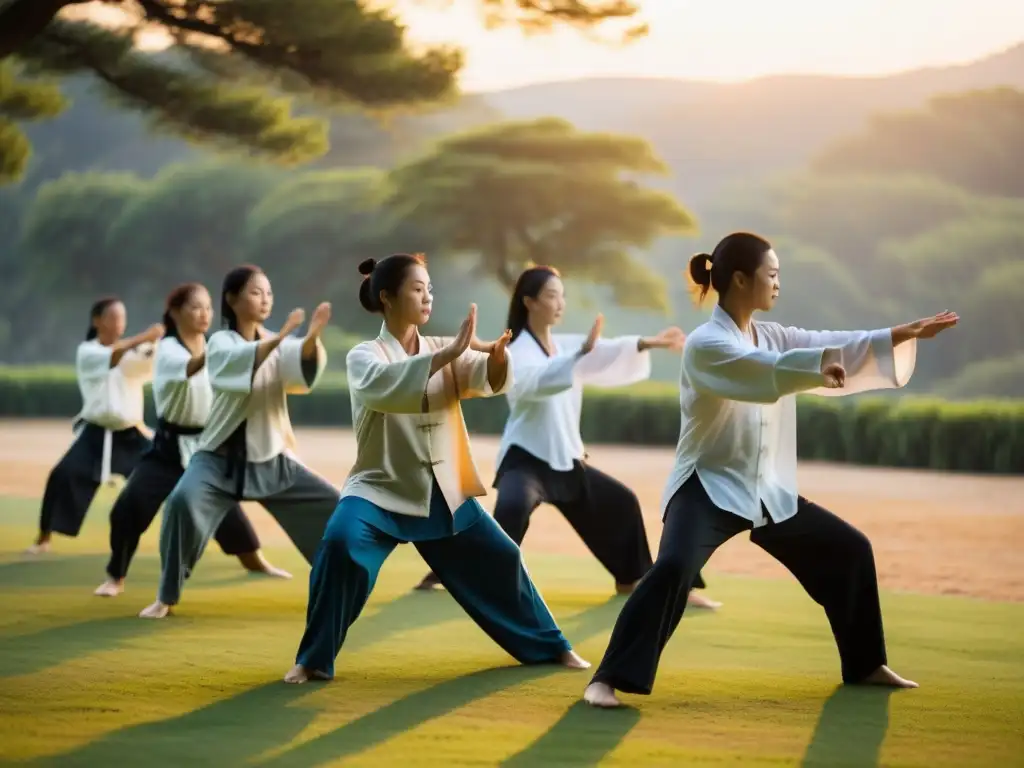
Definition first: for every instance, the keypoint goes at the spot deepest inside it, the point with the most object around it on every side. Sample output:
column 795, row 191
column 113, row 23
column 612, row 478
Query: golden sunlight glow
column 721, row 40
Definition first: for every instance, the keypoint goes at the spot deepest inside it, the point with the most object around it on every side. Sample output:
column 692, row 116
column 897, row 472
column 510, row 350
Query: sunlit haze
column 733, row 39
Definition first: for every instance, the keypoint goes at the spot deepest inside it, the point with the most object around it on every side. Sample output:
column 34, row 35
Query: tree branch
column 23, row 20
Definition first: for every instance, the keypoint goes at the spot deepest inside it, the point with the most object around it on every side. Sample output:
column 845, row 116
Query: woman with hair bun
column 182, row 392
column 542, row 458
column 735, row 467
column 246, row 451
column 112, row 372
column 414, row 481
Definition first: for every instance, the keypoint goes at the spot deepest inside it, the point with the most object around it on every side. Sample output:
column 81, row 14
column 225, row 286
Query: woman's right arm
column 720, row 366
column 387, row 387
column 149, row 336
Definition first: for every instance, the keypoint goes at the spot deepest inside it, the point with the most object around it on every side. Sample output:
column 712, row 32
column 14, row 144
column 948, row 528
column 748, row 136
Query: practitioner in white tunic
column 181, row 389
column 735, row 468
column 414, row 481
column 541, row 458
column 247, row 450
column 112, row 372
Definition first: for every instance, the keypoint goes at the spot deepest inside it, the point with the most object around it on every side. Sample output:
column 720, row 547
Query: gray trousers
column 300, row 500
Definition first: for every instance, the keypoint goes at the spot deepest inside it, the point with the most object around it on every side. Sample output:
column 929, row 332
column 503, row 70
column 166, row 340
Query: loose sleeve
column 137, row 363
column 724, row 368
column 172, row 361
column 471, row 374
column 386, row 387
column 614, row 363
column 92, row 362
column 230, row 362
column 869, row 357
column 539, row 379
column 299, row 376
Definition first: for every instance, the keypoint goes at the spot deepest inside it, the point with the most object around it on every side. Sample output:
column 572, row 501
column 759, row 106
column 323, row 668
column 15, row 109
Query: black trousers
column 830, row 558
column 73, row 483
column 139, row 501
column 606, row 515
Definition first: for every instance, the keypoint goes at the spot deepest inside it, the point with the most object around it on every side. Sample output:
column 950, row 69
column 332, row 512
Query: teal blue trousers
column 479, row 565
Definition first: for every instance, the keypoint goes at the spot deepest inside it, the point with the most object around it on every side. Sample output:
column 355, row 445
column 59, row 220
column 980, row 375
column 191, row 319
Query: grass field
column 84, row 682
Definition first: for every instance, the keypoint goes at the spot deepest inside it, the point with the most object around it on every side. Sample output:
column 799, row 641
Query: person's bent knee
column 675, row 567
column 859, row 547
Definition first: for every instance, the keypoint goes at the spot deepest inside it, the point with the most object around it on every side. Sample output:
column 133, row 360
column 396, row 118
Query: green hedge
column 893, row 432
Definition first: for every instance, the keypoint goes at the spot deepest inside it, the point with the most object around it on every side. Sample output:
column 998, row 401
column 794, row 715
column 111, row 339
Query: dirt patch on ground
column 932, row 532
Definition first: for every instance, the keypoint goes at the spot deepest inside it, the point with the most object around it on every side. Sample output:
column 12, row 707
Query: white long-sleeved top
column 546, row 399
column 738, row 430
column 112, row 397
column 181, row 399
column 409, row 426
column 260, row 400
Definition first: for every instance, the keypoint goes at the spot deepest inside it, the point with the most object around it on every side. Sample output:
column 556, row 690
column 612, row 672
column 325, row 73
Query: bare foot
column 298, row 675
column 255, row 562
column 625, row 589
column 110, row 588
column 697, row 600
column 430, row 581
column 157, row 610
column 601, row 695
column 573, row 660
column 886, row 677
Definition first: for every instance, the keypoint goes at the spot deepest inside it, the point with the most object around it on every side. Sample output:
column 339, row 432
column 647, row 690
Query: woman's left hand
column 671, row 338
column 491, row 347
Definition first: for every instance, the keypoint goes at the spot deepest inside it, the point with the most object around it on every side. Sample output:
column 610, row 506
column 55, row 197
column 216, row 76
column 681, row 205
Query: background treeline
column 887, row 198
column 910, row 432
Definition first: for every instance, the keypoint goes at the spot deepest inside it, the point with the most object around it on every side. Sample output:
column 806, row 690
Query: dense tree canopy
column 233, row 65
column 974, row 140
column 542, row 192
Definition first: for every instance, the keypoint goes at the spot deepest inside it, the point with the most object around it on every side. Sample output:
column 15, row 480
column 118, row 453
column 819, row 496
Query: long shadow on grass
column 229, row 732
column 36, row 651
column 411, row 711
column 86, row 571
column 851, row 728
column 239, row 729
column 582, row 736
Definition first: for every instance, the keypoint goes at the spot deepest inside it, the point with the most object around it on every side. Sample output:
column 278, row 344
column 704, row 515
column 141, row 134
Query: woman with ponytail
column 414, row 481
column 246, row 451
column 112, row 372
column 735, row 467
column 181, row 389
column 541, row 458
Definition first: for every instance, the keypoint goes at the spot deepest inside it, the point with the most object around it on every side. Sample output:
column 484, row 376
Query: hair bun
column 367, row 266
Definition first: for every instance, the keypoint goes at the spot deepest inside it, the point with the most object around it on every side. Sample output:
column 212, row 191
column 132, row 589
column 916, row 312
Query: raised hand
column 498, row 345
column 929, row 327
column 671, row 338
column 154, row 333
column 295, row 319
column 321, row 316
column 487, row 347
column 593, row 336
column 835, row 376
column 467, row 332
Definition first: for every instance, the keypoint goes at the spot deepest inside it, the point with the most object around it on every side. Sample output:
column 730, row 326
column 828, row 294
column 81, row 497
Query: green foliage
column 21, row 100
column 185, row 224
column 973, row 140
column 221, row 81
column 907, row 432
column 542, row 192
column 176, row 97
column 65, row 234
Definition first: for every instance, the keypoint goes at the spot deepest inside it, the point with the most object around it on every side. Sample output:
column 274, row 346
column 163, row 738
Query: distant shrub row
column 908, row 432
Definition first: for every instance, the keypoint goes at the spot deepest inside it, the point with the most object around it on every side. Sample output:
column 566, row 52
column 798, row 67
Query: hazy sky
column 733, row 39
